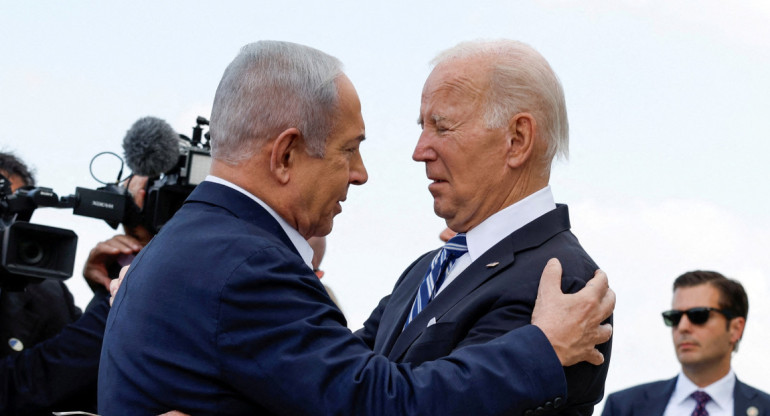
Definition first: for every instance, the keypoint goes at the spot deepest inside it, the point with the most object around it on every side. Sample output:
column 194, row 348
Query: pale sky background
column 668, row 104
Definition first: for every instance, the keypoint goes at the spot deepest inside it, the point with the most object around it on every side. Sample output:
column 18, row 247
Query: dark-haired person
column 39, row 312
column 707, row 319
column 56, row 369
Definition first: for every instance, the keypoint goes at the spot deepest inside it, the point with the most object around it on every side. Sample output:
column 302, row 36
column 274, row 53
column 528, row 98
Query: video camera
column 32, row 252
column 174, row 163
column 173, row 174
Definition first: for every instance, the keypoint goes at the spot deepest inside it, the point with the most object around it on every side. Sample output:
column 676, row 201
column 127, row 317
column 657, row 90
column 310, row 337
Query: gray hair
column 269, row 87
column 520, row 81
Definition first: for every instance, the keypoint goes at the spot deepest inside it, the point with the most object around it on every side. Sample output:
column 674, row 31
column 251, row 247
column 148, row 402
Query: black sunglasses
column 697, row 316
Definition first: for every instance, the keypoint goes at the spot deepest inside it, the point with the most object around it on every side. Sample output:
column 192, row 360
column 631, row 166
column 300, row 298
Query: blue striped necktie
column 442, row 262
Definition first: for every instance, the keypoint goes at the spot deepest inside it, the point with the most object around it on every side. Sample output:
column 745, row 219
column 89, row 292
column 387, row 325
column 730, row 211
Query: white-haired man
column 493, row 117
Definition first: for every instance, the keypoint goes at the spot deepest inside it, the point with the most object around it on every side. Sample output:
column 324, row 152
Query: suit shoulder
column 634, row 391
column 758, row 395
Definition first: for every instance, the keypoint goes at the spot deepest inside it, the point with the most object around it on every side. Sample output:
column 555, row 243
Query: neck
column 523, row 186
column 706, row 374
column 256, row 180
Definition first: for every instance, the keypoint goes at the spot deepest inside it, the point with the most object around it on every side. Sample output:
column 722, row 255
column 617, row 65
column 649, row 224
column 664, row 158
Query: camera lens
column 31, row 253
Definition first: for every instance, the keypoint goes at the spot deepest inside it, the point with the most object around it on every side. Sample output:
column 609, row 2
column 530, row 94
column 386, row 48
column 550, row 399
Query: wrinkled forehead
column 467, row 77
column 453, row 84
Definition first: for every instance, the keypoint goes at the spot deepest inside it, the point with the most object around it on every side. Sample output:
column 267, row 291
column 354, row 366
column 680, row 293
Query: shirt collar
column 721, row 391
column 493, row 229
column 302, row 246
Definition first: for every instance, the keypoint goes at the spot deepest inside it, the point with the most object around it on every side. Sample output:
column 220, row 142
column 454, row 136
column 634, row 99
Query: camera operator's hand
column 106, row 255
column 115, row 284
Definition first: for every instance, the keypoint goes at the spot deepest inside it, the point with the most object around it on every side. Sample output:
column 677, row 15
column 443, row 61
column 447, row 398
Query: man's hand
column 115, row 284
column 105, row 254
column 572, row 322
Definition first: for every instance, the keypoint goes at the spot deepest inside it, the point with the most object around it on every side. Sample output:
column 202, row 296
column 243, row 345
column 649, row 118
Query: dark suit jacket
column 495, row 294
column 220, row 315
column 35, row 314
column 651, row 399
column 59, row 373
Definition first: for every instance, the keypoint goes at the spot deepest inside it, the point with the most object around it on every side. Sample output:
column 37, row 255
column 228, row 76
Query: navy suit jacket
column 651, row 399
column 220, row 315
column 495, row 294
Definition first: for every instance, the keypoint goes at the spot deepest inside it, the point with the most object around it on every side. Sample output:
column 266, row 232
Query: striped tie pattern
column 442, row 262
column 701, row 398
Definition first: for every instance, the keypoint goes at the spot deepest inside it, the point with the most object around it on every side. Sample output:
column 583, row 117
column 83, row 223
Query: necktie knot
column 701, row 398
column 456, row 246
column 443, row 261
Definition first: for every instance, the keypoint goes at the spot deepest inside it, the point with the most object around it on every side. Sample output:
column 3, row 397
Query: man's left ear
column 736, row 329
column 521, row 136
column 282, row 153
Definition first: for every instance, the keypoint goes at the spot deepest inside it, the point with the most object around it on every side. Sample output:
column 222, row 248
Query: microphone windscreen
column 151, row 147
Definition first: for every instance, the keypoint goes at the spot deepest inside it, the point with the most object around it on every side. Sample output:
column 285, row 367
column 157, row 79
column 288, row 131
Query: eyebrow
column 435, row 117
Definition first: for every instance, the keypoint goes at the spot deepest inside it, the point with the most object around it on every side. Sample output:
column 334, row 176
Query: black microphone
column 151, row 147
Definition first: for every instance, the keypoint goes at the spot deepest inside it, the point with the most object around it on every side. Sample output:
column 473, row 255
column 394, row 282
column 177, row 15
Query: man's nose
column 424, row 152
column 358, row 174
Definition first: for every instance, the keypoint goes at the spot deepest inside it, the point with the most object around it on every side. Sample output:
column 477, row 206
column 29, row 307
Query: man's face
column 323, row 183
column 465, row 160
column 708, row 345
column 15, row 181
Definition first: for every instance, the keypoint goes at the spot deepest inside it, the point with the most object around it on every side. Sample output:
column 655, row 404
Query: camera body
column 31, row 252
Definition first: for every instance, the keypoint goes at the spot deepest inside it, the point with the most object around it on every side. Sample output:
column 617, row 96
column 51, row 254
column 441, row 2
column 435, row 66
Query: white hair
column 269, row 87
column 520, row 80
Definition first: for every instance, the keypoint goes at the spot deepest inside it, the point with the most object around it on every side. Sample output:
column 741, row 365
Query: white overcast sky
column 669, row 105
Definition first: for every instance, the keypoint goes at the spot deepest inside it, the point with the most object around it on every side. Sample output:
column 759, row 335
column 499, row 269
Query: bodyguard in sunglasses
column 707, row 319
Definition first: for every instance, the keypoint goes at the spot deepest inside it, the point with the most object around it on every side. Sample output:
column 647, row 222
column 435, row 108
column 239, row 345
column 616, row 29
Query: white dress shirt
column 721, row 392
column 302, row 246
column 498, row 226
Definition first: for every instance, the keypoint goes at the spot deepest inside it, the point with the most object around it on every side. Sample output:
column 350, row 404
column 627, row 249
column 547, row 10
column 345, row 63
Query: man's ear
column 283, row 153
column 521, row 136
column 736, row 326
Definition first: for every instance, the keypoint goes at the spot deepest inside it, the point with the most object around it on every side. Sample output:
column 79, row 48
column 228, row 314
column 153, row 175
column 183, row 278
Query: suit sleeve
column 609, row 407
column 296, row 357
column 585, row 381
column 61, row 371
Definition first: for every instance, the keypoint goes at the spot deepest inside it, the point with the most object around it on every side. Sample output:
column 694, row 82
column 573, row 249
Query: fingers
column 603, row 334
column 572, row 322
column 114, row 285
column 105, row 254
column 595, row 357
column 598, row 285
column 607, row 305
column 550, row 280
column 122, row 243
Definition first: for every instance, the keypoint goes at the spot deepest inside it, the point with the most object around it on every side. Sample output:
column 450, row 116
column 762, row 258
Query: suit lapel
column 495, row 260
column 393, row 318
column 743, row 397
column 655, row 401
